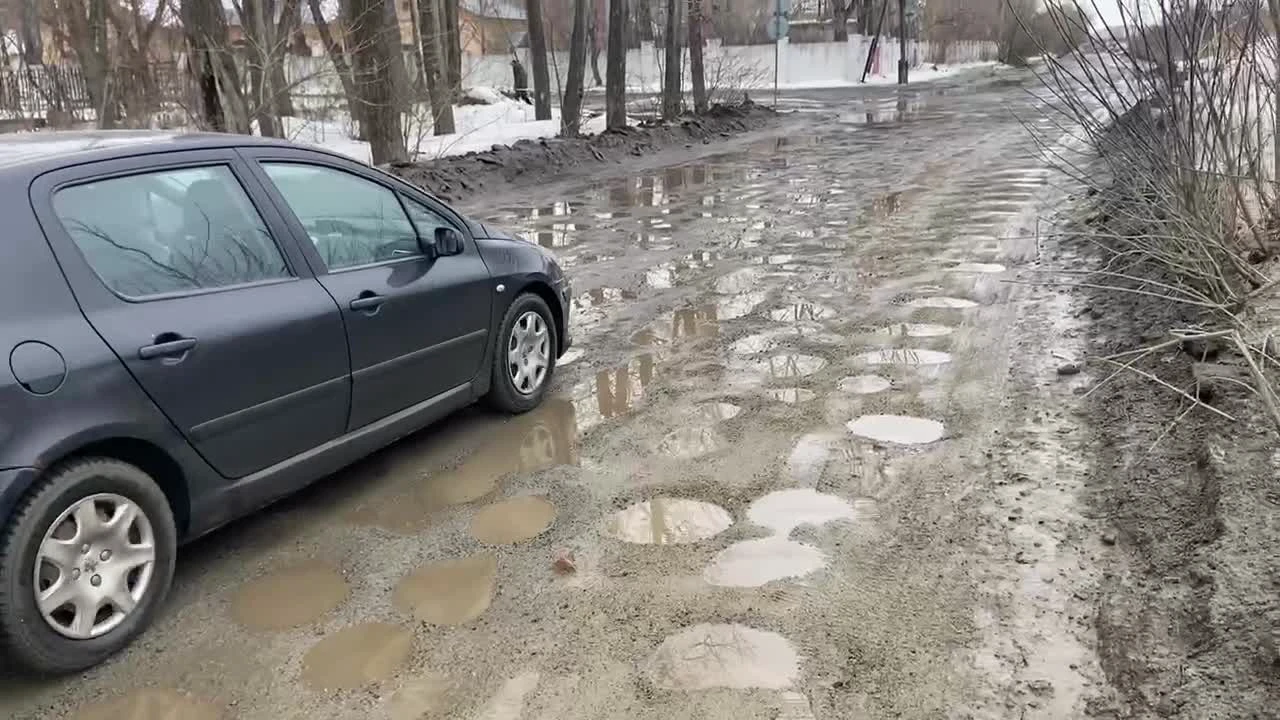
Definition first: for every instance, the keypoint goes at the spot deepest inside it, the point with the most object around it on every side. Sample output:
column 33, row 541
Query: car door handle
column 168, row 348
column 368, row 302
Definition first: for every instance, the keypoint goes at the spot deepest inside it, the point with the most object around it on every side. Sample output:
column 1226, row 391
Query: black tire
column 25, row 637
column 503, row 395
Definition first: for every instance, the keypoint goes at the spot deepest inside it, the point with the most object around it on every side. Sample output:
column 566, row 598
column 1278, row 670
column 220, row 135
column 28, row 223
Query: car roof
column 32, row 153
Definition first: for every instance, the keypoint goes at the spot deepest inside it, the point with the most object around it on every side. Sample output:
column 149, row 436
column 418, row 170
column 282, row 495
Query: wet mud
column 773, row 480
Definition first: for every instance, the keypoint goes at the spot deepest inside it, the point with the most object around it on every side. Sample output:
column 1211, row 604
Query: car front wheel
column 524, row 357
column 85, row 563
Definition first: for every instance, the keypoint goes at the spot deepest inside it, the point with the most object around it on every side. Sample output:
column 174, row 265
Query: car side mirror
column 448, row 241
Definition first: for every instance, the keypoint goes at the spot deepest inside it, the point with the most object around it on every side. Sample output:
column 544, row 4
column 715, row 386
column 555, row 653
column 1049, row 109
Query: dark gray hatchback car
column 197, row 325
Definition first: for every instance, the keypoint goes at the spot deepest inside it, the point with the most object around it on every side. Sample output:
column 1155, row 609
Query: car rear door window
column 170, row 231
column 352, row 221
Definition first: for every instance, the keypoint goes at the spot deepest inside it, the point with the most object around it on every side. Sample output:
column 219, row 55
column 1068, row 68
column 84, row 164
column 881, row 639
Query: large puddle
column 737, row 657
column 356, row 656
column 289, row 597
column 670, row 521
column 863, row 384
column 151, row 704
column 784, row 510
column 512, row 520
column 752, row 563
column 897, row 429
column 451, row 592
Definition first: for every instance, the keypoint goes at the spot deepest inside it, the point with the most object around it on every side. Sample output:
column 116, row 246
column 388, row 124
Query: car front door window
column 351, row 221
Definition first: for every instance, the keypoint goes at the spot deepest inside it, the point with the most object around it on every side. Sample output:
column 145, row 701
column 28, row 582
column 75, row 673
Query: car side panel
column 519, row 265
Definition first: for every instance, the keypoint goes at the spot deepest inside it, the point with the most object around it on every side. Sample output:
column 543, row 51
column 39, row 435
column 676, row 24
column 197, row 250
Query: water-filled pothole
column 670, row 521
column 151, row 704
column 897, row 429
column 690, row 442
column 452, row 592
column 784, row 510
column 941, row 302
column 918, row 330
column 752, row 563
column 735, row 657
column 977, row 267
column 863, row 384
column 790, row 395
column 513, row 520
column 905, row 356
column 356, row 656
column 288, row 597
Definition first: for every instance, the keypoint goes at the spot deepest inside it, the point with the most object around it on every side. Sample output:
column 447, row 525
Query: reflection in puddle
column 420, row 697
column 863, row 384
column 898, row 429
column 972, row 267
column 452, row 592
column 513, row 520
column 288, row 597
column 784, row 510
column 615, row 392
column 809, row 458
column 941, row 302
column 736, row 657
column 543, row 438
column 802, row 312
column 918, row 330
column 150, row 704
column 356, row 656
column 712, row 412
column 691, row 442
column 670, row 521
column 905, row 356
column 740, row 305
column 690, row 322
column 791, row 396
column 777, row 367
column 739, row 281
column 753, row 563
column 782, row 337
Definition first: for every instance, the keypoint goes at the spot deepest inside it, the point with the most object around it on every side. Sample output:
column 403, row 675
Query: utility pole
column 902, row 42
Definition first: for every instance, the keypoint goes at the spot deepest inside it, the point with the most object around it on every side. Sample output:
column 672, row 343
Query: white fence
column 744, row 67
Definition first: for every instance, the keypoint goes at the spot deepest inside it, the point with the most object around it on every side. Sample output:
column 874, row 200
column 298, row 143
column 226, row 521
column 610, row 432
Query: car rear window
column 170, row 231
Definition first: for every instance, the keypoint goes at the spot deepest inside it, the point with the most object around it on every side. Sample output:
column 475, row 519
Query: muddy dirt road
column 810, row 458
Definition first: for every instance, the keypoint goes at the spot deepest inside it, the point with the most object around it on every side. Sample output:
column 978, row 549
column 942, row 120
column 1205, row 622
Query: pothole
column 941, row 302
column 752, row 563
column 736, row 657
column 288, row 597
column 356, row 656
column 690, row 442
column 512, row 520
column 918, row 330
column 802, row 312
column 897, row 429
column 977, row 267
column 150, row 704
column 784, row 510
column 712, row 412
column 905, row 356
column 777, row 367
column 670, row 521
column 790, row 395
column 863, row 384
column 452, row 592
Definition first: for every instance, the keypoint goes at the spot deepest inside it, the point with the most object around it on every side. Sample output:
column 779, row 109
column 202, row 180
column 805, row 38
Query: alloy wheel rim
column 94, row 566
column 528, row 353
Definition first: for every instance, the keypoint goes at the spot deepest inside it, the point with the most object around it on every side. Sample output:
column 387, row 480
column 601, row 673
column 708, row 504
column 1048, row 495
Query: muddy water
column 152, row 704
column 750, row 513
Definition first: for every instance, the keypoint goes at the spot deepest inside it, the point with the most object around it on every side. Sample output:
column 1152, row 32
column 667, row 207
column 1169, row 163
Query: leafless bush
column 1178, row 106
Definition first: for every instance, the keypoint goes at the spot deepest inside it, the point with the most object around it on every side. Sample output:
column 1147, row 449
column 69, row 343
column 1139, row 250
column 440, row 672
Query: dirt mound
column 534, row 161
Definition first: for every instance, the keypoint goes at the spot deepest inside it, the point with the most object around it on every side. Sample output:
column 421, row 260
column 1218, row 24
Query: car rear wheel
column 85, row 563
column 524, row 358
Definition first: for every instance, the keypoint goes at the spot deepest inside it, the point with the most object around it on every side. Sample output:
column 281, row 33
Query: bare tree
column 571, row 104
column 374, row 79
column 593, row 30
column 538, row 53
column 222, row 101
column 697, row 72
column 32, row 39
column 671, row 90
column 434, row 70
column 615, row 93
column 341, row 64
column 453, row 47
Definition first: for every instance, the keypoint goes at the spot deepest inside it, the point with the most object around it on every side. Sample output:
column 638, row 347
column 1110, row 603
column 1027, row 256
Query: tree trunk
column 32, row 40
column 434, row 69
column 697, row 73
column 453, row 48
column 338, row 56
column 206, row 30
column 571, row 105
column 840, row 19
column 372, row 45
column 290, row 20
column 261, row 51
column 615, row 92
column 401, row 83
column 538, row 57
column 671, row 90
column 593, row 32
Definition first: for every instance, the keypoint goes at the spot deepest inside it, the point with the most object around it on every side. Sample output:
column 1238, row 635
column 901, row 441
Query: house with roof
column 489, row 27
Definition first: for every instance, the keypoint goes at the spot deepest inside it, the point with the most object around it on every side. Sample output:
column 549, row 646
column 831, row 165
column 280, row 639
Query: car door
column 204, row 295
column 417, row 326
